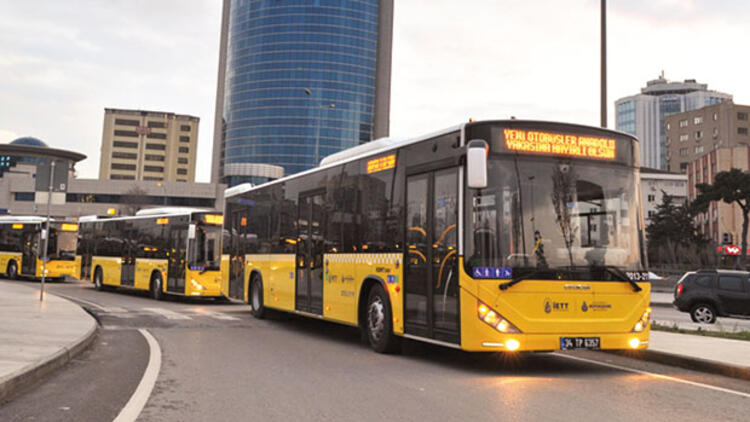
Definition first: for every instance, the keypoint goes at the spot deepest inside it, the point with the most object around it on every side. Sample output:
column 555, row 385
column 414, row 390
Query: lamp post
column 163, row 191
column 320, row 106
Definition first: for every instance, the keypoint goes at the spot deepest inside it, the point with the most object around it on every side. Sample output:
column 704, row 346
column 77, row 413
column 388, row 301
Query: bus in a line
column 22, row 247
column 162, row 251
column 488, row 236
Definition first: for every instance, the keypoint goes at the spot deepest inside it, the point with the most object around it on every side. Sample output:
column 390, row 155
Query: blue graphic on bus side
column 392, row 279
column 493, row 272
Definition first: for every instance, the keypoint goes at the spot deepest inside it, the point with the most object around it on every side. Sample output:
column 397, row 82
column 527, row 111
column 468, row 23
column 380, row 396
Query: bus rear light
column 643, row 322
column 494, row 319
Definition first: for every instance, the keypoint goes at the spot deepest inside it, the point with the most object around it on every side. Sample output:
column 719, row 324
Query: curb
column 696, row 364
column 25, row 377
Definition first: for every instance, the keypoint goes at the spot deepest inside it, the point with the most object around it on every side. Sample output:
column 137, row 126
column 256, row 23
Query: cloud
column 7, row 136
column 62, row 64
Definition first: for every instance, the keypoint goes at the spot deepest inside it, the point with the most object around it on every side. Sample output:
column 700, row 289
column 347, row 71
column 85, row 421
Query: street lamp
column 320, row 106
column 164, row 192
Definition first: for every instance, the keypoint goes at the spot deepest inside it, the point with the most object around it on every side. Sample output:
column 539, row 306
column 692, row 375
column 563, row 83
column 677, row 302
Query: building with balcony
column 148, row 145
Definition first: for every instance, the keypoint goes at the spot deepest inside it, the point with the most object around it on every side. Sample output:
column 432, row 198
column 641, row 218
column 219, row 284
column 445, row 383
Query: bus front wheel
column 12, row 270
column 379, row 323
column 156, row 288
column 98, row 279
column 256, row 298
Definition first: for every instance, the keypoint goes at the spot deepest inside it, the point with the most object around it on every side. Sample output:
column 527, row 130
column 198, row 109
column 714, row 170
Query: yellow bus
column 488, row 236
column 163, row 251
column 21, row 247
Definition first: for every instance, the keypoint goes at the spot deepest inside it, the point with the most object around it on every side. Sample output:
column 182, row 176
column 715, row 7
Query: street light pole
column 604, row 65
column 46, row 229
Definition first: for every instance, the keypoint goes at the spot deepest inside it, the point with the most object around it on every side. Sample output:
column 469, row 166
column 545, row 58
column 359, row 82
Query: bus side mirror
column 476, row 163
column 191, row 232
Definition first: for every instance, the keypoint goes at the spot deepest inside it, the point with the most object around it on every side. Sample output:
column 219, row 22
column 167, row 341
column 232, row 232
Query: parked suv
column 707, row 294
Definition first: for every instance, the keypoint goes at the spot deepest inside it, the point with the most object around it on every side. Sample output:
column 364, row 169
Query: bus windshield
column 539, row 214
column 62, row 244
column 204, row 250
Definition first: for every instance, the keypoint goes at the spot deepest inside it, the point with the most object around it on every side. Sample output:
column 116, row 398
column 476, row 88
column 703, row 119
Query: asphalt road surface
column 219, row 363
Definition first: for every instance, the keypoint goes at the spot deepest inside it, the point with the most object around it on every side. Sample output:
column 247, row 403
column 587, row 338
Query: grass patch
column 739, row 335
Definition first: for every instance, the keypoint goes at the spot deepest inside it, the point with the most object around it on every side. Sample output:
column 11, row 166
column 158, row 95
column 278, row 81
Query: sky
column 62, row 62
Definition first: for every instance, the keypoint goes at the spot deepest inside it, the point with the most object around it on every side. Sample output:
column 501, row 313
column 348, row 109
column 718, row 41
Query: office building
column 299, row 81
column 644, row 114
column 148, row 145
column 721, row 219
column 691, row 134
column 20, row 193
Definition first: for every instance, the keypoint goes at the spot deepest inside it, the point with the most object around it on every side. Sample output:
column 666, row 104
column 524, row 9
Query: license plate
column 570, row 343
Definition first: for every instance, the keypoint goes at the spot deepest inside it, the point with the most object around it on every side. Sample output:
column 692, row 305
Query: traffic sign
column 732, row 250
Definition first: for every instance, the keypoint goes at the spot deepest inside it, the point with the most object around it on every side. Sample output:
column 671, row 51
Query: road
column 218, row 363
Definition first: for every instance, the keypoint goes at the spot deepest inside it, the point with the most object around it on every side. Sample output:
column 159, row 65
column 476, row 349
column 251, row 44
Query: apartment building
column 722, row 222
column 148, row 145
column 692, row 134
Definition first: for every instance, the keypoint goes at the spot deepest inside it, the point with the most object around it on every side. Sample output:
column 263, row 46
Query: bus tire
column 98, row 279
column 255, row 297
column 379, row 322
column 12, row 271
column 155, row 288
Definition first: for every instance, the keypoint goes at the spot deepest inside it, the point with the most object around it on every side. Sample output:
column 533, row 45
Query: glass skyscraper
column 644, row 114
column 299, row 80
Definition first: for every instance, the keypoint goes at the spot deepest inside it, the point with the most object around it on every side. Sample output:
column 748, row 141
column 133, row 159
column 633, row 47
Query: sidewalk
column 37, row 337
column 712, row 354
column 702, row 353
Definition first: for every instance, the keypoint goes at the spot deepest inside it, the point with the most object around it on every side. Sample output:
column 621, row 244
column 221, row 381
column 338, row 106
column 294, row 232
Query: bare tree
column 133, row 200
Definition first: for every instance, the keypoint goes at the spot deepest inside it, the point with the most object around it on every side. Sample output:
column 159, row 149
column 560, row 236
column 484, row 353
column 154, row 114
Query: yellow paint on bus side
column 343, row 279
column 110, row 266
column 60, row 268
column 144, row 269
column 5, row 258
column 225, row 274
column 278, row 274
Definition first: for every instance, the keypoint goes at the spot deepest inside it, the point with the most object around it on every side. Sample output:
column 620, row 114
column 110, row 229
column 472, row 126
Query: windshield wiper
column 532, row 274
column 620, row 274
column 612, row 270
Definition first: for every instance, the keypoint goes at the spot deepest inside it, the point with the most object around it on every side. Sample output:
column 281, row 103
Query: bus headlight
column 494, row 319
column 196, row 285
column 643, row 322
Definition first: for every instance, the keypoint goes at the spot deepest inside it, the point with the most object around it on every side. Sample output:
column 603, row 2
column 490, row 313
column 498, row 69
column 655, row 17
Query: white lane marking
column 218, row 315
column 660, row 376
column 117, row 310
column 76, row 299
column 140, row 396
column 167, row 313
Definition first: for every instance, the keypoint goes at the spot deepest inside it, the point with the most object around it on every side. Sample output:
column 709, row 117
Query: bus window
column 204, row 250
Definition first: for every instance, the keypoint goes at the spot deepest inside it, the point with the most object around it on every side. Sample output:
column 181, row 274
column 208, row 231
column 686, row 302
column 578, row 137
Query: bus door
column 310, row 226
column 237, row 256
column 176, row 269
column 31, row 249
column 431, row 269
column 127, row 268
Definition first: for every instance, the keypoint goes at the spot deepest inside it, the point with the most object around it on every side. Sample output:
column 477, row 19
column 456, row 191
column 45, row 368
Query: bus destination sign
column 565, row 144
column 382, row 163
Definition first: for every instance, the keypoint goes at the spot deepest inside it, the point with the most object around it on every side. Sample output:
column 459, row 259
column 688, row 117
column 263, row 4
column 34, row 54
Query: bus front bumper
column 207, row 284
column 59, row 269
column 520, row 342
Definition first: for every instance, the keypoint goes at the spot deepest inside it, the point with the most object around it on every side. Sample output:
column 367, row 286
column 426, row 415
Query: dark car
column 707, row 294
